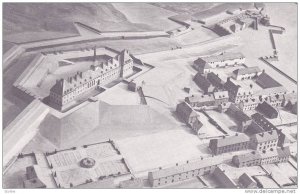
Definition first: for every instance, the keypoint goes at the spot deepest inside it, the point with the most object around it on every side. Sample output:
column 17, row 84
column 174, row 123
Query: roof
column 265, row 136
column 270, row 91
column 186, row 109
column 254, row 100
column 263, row 122
column 197, row 124
column 201, row 98
column 248, row 70
column 268, row 154
column 212, row 161
column 221, row 95
column 230, row 85
column 276, row 97
column 254, row 155
column 201, row 81
column 283, row 152
column 238, row 113
column 67, row 85
column 266, row 108
column 245, row 180
column 201, row 63
column 223, row 178
column 223, row 57
column 230, row 140
column 266, row 81
column 214, row 79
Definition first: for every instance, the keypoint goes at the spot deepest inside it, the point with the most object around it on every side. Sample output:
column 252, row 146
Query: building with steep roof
column 229, row 144
column 247, row 182
column 245, row 160
column 246, row 73
column 242, row 120
column 203, row 83
column 165, row 176
column 261, row 121
column 264, row 141
column 223, row 179
column 186, row 113
column 201, row 66
column 215, row 80
column 65, row 91
column 267, row 110
column 266, row 81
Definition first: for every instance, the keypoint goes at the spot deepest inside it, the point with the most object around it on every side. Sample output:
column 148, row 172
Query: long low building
column 256, row 158
column 182, row 172
column 204, row 64
column 229, row 144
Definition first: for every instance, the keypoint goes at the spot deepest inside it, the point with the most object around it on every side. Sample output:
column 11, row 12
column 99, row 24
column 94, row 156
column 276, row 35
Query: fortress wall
column 19, row 132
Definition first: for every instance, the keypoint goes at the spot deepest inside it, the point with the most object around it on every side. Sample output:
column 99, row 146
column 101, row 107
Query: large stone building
column 165, row 176
column 229, row 144
column 66, row 91
column 264, row 141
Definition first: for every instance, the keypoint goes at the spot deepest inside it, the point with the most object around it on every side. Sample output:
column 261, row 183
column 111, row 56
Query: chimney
column 228, row 79
column 224, row 136
column 236, row 134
